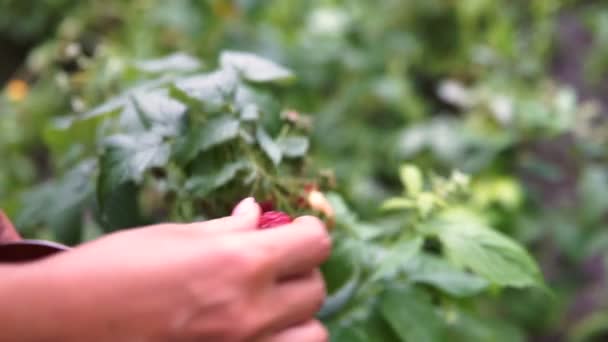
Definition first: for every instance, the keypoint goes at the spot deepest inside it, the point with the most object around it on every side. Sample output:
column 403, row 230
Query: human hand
column 220, row 280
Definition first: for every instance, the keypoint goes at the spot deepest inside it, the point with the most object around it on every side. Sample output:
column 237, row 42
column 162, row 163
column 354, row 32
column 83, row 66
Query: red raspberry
column 267, row 206
column 272, row 219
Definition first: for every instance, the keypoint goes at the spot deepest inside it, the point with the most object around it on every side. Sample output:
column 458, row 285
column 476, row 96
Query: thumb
column 245, row 217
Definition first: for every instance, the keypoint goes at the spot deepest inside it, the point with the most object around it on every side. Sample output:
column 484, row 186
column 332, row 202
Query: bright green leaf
column 412, row 179
column 398, row 203
column 426, row 202
column 470, row 244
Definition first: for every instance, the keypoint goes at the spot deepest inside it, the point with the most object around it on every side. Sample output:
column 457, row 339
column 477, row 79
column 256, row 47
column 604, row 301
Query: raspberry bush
column 188, row 145
column 381, row 93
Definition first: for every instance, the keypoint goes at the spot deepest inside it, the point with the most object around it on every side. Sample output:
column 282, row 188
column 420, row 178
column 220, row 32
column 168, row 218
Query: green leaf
column 272, row 150
column 398, row 203
column 428, row 269
column 118, row 204
column 59, row 204
column 412, row 316
column 254, row 68
column 250, row 112
column 469, row 243
column 361, row 325
column 127, row 157
column 66, row 132
column 215, row 132
column 396, row 258
column 159, row 112
column 175, row 62
column 294, row 146
column 191, row 102
column 466, row 326
column 123, row 164
column 211, row 89
column 339, row 299
column 426, row 202
column 412, row 179
column 202, row 184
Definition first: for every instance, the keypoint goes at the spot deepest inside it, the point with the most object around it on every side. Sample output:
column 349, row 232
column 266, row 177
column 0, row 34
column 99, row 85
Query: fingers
column 311, row 331
column 296, row 248
column 298, row 300
column 245, row 217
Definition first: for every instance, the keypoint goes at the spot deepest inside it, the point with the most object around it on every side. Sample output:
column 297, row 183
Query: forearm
column 36, row 305
column 33, row 307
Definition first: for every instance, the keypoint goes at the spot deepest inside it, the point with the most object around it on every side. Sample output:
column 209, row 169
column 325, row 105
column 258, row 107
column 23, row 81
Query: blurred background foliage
column 510, row 91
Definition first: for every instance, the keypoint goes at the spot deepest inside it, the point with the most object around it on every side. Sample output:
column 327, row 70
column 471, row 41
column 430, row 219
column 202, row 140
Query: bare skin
column 219, row 280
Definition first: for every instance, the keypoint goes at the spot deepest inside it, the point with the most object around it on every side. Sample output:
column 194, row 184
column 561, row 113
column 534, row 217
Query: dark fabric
column 8, row 233
column 14, row 249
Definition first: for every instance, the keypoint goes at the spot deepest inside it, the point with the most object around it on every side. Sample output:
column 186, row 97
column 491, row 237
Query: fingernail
column 244, row 207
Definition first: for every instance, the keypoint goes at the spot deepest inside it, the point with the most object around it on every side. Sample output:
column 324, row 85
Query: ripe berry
column 271, row 219
column 267, row 206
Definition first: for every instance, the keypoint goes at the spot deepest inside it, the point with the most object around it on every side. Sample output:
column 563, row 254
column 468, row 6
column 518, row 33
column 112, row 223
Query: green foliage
column 423, row 268
column 185, row 139
column 203, row 102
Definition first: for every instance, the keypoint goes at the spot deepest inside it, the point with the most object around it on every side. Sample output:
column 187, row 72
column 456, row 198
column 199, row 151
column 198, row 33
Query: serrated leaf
column 399, row 255
column 254, row 68
column 412, row 179
column 428, row 269
column 125, row 160
column 175, row 62
column 272, row 150
column 218, row 131
column 202, row 184
column 215, row 132
column 127, row 157
column 59, row 204
column 468, row 243
column 65, row 132
column 159, row 112
column 412, row 316
column 247, row 94
column 294, row 146
column 212, row 89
